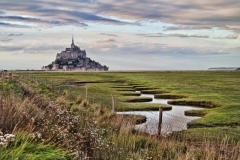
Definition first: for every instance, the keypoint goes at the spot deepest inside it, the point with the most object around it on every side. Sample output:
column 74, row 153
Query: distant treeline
column 225, row 68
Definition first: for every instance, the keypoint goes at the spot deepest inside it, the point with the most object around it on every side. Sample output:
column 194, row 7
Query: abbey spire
column 72, row 45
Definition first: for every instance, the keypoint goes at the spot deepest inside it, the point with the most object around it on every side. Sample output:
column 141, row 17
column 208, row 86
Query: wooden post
column 86, row 93
column 59, row 90
column 113, row 107
column 160, row 121
column 52, row 83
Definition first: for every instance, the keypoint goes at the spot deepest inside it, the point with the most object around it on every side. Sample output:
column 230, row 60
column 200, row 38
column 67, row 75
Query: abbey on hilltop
column 74, row 59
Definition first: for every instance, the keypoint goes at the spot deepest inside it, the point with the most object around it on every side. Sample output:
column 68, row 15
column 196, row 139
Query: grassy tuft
column 23, row 147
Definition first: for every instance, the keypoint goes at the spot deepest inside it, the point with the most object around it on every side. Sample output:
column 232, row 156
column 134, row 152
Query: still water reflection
column 173, row 120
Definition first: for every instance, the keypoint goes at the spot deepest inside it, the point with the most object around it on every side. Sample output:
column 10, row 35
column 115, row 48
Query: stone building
column 75, row 59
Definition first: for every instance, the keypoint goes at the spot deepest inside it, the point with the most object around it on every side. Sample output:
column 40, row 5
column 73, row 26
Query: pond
column 173, row 120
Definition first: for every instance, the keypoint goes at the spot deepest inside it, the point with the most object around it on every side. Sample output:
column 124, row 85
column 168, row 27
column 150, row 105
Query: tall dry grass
column 46, row 121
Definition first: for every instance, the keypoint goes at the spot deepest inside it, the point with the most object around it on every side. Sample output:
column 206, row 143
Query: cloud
column 18, row 18
column 11, row 48
column 91, row 17
column 187, row 36
column 151, row 35
column 149, row 56
column 12, row 34
column 106, row 40
column 186, row 14
column 228, row 27
column 12, row 25
column 172, row 35
column 31, row 48
column 233, row 36
column 151, row 49
column 181, row 36
column 1, row 12
column 108, row 34
column 6, row 39
column 189, row 27
column 45, row 47
column 194, row 14
column 41, row 22
column 47, row 14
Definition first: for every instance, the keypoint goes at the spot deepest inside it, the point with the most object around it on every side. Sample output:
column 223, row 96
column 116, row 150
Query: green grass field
column 216, row 91
column 220, row 88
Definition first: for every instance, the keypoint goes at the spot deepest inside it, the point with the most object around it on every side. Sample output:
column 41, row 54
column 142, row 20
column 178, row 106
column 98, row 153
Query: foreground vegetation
column 61, row 121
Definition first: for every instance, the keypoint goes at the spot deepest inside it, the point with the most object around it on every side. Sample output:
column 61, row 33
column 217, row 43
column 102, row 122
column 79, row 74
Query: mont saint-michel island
column 74, row 59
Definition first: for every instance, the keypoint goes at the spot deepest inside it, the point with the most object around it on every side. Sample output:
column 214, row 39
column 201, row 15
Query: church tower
column 72, row 45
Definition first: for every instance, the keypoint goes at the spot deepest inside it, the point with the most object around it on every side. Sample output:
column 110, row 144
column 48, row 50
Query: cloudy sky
column 127, row 35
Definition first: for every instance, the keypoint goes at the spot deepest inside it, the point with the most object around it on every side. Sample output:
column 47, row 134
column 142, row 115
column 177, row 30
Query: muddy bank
column 146, row 108
column 203, row 104
column 131, row 94
column 153, row 92
column 199, row 113
column 85, row 82
column 135, row 84
column 139, row 99
column 169, row 96
column 126, row 90
column 122, row 87
column 144, row 88
column 137, row 119
column 202, row 125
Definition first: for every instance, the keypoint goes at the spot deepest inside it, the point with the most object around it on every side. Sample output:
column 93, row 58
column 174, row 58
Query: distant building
column 74, row 59
column 65, row 68
column 55, row 67
column 225, row 68
column 47, row 68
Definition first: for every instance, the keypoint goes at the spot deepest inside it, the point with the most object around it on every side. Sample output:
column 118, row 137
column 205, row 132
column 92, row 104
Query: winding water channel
column 173, row 120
